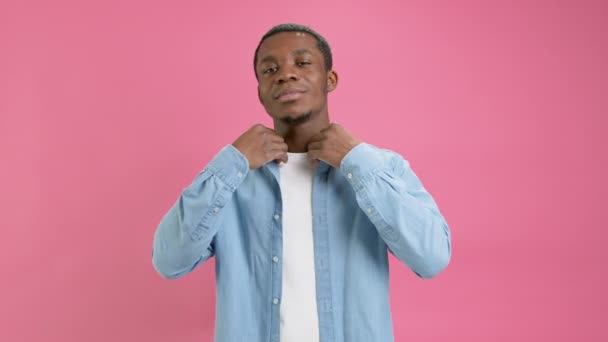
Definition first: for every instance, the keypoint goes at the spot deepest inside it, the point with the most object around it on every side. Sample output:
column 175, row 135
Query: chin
column 296, row 119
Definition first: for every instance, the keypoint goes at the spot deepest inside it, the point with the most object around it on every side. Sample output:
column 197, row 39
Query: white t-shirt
column 299, row 318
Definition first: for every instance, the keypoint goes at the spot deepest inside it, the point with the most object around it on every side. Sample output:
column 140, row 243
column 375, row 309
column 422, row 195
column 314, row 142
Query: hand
column 331, row 145
column 260, row 145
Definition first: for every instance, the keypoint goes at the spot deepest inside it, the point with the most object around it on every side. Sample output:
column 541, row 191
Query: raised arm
column 184, row 237
column 404, row 213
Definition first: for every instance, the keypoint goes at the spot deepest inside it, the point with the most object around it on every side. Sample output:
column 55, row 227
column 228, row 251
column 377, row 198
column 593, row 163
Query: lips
column 289, row 94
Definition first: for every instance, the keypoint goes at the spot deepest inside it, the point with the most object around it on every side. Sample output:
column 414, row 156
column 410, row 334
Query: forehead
column 287, row 43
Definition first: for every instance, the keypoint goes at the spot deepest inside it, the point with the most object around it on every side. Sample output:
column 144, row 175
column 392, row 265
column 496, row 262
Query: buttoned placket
column 275, row 256
column 322, row 253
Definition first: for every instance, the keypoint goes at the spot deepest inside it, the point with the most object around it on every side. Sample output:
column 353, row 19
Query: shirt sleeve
column 404, row 213
column 184, row 237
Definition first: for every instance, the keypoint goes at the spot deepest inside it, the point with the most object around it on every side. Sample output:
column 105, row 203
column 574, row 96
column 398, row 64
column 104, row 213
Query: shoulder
column 369, row 152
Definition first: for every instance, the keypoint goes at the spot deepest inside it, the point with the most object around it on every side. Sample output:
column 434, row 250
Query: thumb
column 283, row 158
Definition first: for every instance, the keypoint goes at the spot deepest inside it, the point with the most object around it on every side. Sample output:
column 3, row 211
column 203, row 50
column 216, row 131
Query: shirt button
column 239, row 175
column 276, row 217
column 216, row 209
column 275, row 259
column 275, row 301
column 369, row 210
column 350, row 175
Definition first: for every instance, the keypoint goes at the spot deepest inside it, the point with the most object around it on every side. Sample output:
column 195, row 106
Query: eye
column 302, row 63
column 270, row 70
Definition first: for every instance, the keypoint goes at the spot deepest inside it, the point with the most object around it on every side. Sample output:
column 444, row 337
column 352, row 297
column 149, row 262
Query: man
column 300, row 218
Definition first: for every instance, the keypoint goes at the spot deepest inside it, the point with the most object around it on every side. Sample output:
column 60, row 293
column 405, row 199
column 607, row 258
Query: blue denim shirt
column 373, row 204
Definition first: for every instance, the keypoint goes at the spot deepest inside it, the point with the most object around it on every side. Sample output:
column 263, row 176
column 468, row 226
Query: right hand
column 260, row 145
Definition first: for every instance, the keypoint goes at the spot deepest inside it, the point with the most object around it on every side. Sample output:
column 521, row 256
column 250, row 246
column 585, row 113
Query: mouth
column 289, row 94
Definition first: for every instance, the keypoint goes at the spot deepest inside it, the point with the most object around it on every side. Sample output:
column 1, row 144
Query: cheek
column 321, row 84
column 264, row 95
column 321, row 88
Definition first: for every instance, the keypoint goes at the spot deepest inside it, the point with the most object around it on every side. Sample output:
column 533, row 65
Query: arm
column 184, row 237
column 403, row 212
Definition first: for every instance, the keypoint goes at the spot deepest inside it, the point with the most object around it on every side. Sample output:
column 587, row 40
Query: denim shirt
column 371, row 205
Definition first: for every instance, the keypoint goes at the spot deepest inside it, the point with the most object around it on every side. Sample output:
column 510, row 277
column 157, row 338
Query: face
column 292, row 80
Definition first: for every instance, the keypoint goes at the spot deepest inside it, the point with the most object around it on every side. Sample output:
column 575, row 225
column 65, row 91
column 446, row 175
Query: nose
column 287, row 73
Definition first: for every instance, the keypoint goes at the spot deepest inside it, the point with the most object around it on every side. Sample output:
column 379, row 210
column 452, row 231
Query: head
column 293, row 66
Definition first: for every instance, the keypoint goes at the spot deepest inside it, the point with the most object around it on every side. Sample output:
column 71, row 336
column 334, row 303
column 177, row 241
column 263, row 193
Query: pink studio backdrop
column 108, row 109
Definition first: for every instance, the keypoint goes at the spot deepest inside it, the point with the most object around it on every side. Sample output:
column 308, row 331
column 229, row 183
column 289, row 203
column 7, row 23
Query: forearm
column 184, row 237
column 176, row 250
column 404, row 213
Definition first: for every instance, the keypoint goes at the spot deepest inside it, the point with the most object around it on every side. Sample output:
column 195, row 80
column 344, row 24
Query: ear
column 332, row 80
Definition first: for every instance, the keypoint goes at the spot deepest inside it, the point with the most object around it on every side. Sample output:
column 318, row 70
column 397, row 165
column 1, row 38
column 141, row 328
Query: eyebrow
column 298, row 52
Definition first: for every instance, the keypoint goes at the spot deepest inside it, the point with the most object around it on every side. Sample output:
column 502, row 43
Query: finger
column 330, row 128
column 317, row 137
column 279, row 145
column 267, row 130
column 273, row 137
column 271, row 148
column 285, row 158
column 278, row 156
column 273, row 144
column 261, row 128
column 314, row 154
column 315, row 145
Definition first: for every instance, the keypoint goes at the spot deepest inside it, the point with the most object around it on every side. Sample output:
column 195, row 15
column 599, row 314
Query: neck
column 297, row 136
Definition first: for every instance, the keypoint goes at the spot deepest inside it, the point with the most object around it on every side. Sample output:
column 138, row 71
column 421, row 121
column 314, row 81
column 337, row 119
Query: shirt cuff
column 361, row 163
column 230, row 165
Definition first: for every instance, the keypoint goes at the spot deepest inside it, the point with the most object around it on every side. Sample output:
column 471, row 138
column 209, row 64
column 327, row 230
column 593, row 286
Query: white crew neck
column 297, row 155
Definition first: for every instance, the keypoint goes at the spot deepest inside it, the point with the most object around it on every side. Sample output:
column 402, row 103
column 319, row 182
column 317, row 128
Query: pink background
column 110, row 108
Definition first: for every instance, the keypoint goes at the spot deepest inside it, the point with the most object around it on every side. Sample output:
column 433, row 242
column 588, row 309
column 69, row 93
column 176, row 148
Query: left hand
column 331, row 145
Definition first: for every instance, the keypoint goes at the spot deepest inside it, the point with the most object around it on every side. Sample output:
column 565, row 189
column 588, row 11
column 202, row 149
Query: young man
column 300, row 218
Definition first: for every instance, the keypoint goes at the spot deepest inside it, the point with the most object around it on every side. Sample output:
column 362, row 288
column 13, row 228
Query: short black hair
column 290, row 27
